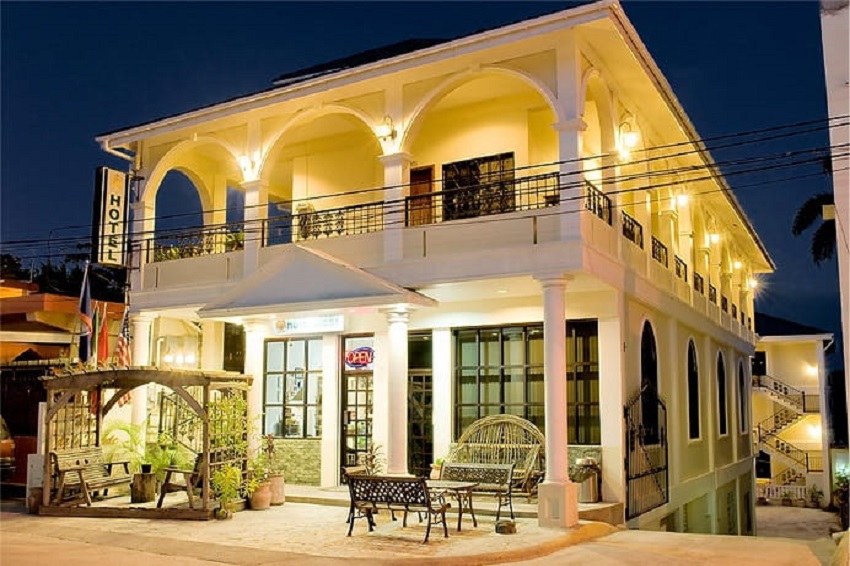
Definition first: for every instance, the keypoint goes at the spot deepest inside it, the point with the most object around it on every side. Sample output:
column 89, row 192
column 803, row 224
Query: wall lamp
column 386, row 130
column 628, row 139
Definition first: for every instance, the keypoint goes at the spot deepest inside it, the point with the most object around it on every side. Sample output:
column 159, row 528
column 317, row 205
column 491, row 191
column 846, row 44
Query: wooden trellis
column 76, row 406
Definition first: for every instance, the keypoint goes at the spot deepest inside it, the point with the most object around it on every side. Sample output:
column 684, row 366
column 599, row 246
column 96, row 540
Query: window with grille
column 478, row 187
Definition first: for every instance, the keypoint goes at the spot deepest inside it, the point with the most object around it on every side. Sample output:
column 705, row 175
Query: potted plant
column 373, row 459
column 257, row 488
column 274, row 470
column 787, row 499
column 226, row 483
column 815, row 496
column 437, row 468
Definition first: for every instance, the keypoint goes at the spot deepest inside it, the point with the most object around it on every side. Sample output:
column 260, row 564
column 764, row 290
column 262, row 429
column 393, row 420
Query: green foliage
column 374, row 460
column 810, row 214
column 815, row 494
column 124, row 441
column 274, row 458
column 227, row 484
column 167, row 453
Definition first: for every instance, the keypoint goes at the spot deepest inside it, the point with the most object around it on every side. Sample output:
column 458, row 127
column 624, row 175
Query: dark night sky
column 71, row 71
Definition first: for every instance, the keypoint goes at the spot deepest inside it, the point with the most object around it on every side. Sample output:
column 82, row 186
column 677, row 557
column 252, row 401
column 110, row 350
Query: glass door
column 420, row 430
column 356, row 405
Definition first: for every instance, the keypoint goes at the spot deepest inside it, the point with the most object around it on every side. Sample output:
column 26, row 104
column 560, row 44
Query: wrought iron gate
column 646, row 453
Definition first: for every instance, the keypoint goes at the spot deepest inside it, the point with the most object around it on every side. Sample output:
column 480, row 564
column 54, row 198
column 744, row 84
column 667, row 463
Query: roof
column 314, row 281
column 767, row 325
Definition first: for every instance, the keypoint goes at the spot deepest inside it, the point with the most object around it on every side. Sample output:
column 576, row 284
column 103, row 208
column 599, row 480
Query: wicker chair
column 504, row 439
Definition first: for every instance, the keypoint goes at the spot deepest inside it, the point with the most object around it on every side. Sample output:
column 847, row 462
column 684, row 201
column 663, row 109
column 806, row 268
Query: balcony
column 196, row 243
column 310, row 224
column 681, row 269
column 632, row 230
column 659, row 252
column 598, row 203
column 699, row 283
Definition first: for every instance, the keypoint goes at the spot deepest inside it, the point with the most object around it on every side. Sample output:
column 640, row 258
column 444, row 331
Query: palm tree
column 823, row 239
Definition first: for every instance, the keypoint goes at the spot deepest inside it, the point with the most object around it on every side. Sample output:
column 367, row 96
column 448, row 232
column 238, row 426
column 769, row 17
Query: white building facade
column 519, row 221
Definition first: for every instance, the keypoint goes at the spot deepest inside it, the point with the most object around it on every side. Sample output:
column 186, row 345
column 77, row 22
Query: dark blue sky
column 71, row 71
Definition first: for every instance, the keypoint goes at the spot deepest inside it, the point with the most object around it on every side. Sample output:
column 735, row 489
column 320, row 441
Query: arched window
column 693, row 392
column 723, row 425
column 743, row 398
column 649, row 384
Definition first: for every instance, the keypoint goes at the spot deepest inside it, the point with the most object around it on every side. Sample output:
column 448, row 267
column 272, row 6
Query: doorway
column 356, row 405
column 420, row 395
column 420, row 202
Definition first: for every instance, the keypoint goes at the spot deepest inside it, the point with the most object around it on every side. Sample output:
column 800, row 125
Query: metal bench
column 491, row 478
column 368, row 493
column 85, row 470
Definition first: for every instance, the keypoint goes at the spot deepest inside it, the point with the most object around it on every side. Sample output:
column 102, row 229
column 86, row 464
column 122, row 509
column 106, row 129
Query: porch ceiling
column 302, row 280
column 505, row 288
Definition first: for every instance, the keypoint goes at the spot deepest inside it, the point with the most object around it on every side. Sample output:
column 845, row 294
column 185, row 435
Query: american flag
column 122, row 351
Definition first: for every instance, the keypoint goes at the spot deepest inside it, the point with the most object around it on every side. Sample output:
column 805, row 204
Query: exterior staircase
column 795, row 405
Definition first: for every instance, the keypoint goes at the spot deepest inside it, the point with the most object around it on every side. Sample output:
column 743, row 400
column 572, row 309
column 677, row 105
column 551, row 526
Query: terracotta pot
column 278, row 489
column 262, row 497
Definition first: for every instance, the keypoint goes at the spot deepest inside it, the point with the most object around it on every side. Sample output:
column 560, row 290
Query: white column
column 255, row 335
column 331, row 425
column 558, row 497
column 824, row 422
column 611, row 381
column 397, row 186
column 256, row 211
column 397, row 322
column 442, row 415
column 569, row 128
column 140, row 325
column 212, row 347
column 141, row 239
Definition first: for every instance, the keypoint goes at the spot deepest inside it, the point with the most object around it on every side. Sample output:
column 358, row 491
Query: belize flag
column 85, row 315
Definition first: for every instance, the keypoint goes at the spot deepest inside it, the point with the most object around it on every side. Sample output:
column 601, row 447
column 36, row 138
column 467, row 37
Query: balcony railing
column 724, row 303
column 735, row 311
column 681, row 269
column 632, row 230
column 195, row 243
column 659, row 252
column 699, row 283
column 597, row 202
column 499, row 197
column 309, row 224
column 712, row 293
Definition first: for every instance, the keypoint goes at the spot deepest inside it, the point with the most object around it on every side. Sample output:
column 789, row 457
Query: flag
column 85, row 315
column 122, row 349
column 103, row 338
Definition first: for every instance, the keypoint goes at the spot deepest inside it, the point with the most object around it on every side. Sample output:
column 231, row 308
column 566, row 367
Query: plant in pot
column 257, row 488
column 815, row 496
column 274, row 470
column 227, row 483
column 787, row 499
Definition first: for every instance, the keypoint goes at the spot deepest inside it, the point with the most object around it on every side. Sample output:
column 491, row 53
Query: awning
column 302, row 279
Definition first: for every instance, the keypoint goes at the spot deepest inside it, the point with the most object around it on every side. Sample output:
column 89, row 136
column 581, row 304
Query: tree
column 11, row 268
column 823, row 238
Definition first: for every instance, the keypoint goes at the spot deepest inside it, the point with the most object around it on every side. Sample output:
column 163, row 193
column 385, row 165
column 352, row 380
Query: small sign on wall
column 309, row 325
column 360, row 358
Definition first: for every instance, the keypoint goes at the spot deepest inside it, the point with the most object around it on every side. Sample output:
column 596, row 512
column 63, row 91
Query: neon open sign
column 360, row 358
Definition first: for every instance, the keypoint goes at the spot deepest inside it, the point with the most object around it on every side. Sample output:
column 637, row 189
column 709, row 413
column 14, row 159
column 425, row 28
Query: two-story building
column 518, row 221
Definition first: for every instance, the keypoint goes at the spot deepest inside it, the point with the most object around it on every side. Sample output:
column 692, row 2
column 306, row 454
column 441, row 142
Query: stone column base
column 557, row 504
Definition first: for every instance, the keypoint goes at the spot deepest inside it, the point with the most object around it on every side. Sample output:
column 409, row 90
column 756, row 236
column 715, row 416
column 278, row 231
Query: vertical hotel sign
column 109, row 228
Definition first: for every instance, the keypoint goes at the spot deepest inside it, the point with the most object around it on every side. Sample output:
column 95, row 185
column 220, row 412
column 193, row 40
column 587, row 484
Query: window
column 500, row 370
column 760, row 363
column 478, row 187
column 721, row 395
column 293, row 392
column 649, row 384
column 742, row 398
column 693, row 393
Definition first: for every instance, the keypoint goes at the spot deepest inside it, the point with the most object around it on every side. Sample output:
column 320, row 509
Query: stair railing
column 776, row 422
column 789, row 450
column 807, row 403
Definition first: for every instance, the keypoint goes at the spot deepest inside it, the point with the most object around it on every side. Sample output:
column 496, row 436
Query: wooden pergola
column 84, row 389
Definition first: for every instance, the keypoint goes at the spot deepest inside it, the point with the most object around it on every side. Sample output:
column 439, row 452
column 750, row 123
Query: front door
column 356, row 405
column 419, row 205
column 420, row 430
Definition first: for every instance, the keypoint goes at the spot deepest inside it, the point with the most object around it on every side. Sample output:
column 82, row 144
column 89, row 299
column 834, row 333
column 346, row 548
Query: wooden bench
column 191, row 481
column 491, row 478
column 84, row 469
column 369, row 493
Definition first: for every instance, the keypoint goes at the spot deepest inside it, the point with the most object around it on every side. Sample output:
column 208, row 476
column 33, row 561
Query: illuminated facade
column 515, row 221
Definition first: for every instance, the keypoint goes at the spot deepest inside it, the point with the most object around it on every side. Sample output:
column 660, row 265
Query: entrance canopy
column 300, row 280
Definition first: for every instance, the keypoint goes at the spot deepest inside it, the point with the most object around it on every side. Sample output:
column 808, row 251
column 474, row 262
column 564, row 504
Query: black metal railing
column 659, row 252
column 597, row 202
column 699, row 283
column 811, row 462
column 776, row 422
column 743, row 318
column 749, row 322
column 647, row 484
column 309, row 224
column 498, row 197
column 712, row 293
column 681, row 268
column 799, row 399
column 632, row 230
column 195, row 243
column 724, row 303
column 734, row 311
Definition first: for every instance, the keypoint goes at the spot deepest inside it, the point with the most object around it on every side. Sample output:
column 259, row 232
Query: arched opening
column 722, row 416
column 649, row 383
column 693, row 393
column 324, row 178
column 486, row 146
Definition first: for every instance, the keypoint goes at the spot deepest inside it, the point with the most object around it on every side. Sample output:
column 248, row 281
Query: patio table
column 462, row 491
